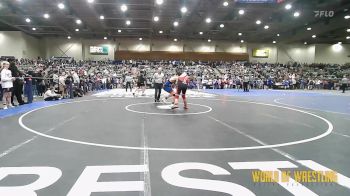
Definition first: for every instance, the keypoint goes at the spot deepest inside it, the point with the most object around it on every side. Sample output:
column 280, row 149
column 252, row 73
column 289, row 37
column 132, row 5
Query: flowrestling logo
column 324, row 14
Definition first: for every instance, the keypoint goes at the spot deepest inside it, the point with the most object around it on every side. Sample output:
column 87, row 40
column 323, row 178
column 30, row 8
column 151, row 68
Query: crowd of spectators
column 67, row 78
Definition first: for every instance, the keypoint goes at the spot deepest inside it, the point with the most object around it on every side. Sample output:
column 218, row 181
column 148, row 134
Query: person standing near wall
column 69, row 84
column 7, row 84
column 344, row 83
column 28, row 86
column 62, row 84
column 1, row 90
column 17, row 84
column 158, row 84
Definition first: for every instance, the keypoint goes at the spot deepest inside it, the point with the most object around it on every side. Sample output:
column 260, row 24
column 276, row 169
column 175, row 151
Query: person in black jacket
column 141, row 84
column 17, row 84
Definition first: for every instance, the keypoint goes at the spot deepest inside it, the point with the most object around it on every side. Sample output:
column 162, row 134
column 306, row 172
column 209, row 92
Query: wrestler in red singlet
column 182, row 83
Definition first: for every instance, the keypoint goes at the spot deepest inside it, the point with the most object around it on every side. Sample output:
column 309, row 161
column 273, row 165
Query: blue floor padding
column 27, row 107
column 324, row 103
column 308, row 100
column 277, row 93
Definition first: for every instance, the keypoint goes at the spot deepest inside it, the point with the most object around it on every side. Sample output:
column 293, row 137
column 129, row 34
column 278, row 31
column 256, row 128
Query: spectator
column 17, row 84
column 69, row 85
column 62, row 84
column 7, row 84
column 50, row 95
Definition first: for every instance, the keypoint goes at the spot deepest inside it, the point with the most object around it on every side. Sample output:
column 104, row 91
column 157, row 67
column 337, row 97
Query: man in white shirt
column 158, row 84
column 245, row 83
column 6, row 84
column 344, row 83
column 128, row 81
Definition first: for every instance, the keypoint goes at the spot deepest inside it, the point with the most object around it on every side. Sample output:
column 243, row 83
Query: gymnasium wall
column 18, row 44
column 21, row 45
column 61, row 47
column 195, row 56
column 330, row 54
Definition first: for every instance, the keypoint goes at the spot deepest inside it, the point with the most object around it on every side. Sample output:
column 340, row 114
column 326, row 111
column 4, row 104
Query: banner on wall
column 99, row 50
column 261, row 53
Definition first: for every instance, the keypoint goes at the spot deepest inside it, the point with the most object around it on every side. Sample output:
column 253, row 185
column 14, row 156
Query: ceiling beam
column 14, row 26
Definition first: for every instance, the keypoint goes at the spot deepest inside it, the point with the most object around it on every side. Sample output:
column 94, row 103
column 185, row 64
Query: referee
column 158, row 84
column 128, row 81
column 344, row 83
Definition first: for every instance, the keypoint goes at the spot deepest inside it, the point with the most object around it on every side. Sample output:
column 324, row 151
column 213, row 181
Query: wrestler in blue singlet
column 168, row 86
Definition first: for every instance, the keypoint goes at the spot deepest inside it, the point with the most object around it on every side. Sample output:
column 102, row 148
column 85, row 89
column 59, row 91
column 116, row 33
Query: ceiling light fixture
column 140, row 38
column 176, row 24
column 159, row 2
column 337, row 47
column 209, row 40
column 208, row 20
column 124, row 8
column 309, row 28
column 102, row 17
column 184, row 9
column 225, row 3
column 175, row 40
column 239, row 34
column 348, row 37
column 76, row 30
column 69, row 37
column 105, row 38
column 314, row 36
column 242, row 41
column 274, row 42
column 128, row 22
column 266, row 27
column 156, row 18
column 61, row 6
column 241, row 12
column 258, row 22
column 119, row 31
column 296, row 14
column 161, row 32
column 90, row 1
column 46, row 15
column 28, row 20
column 78, row 21
column 222, row 26
column 305, row 43
column 288, row 6
column 201, row 33
column 278, row 34
column 348, row 30
column 34, row 29
column 347, row 17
